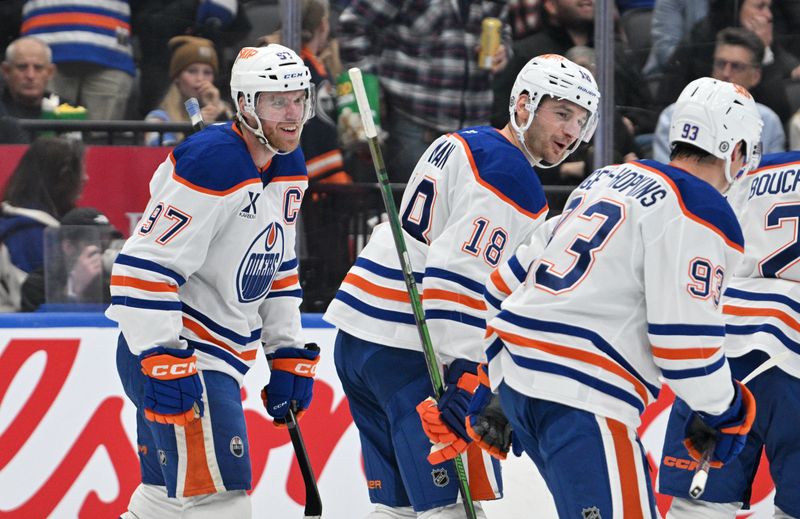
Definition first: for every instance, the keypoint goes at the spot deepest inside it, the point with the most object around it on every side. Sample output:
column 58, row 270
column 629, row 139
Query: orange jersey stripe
column 683, row 353
column 285, row 282
column 479, row 485
column 774, row 166
column 455, row 297
column 499, row 282
column 743, row 311
column 96, row 20
column 576, row 354
column 626, row 463
column 198, row 477
column 141, row 284
column 490, row 187
column 376, row 290
column 201, row 332
column 690, row 214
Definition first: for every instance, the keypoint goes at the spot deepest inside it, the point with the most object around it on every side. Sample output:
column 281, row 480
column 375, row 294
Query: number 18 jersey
column 473, row 196
column 626, row 291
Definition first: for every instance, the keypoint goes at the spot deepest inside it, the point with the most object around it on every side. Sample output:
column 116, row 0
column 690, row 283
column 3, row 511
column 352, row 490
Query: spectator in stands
column 431, row 83
column 78, row 262
column 47, row 182
column 193, row 67
column 216, row 20
column 565, row 24
column 27, row 68
column 92, row 48
column 672, row 20
column 694, row 55
column 737, row 58
column 525, row 17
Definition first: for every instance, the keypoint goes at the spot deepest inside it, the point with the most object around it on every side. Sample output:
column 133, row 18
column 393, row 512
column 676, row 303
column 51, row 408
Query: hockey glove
column 443, row 423
column 486, row 422
column 726, row 432
column 291, row 381
column 173, row 393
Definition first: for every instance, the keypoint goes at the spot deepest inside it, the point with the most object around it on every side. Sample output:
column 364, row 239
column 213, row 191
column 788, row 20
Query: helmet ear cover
column 715, row 116
column 555, row 76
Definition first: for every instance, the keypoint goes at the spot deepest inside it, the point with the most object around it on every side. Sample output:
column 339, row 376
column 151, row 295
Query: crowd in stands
column 140, row 60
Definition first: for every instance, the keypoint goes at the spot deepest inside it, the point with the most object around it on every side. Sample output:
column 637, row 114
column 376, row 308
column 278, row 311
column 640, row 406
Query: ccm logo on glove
column 164, row 367
column 298, row 367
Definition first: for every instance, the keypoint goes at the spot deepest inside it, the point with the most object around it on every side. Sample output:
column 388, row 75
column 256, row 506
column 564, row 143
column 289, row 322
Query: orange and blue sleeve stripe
column 158, row 293
column 501, row 280
column 287, row 281
column 695, row 350
column 453, row 297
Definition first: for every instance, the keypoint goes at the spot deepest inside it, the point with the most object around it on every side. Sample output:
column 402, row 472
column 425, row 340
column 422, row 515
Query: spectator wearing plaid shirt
column 426, row 56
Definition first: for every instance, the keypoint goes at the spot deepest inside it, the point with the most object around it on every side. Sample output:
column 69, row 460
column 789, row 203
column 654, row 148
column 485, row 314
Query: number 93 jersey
column 473, row 198
column 626, row 291
column 762, row 302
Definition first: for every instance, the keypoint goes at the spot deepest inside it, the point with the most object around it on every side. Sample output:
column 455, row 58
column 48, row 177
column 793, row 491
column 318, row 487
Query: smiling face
column 282, row 115
column 556, row 125
column 190, row 79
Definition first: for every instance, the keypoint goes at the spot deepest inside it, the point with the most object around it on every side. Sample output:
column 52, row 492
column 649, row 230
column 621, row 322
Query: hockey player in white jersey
column 761, row 307
column 472, row 199
column 625, row 292
column 208, row 277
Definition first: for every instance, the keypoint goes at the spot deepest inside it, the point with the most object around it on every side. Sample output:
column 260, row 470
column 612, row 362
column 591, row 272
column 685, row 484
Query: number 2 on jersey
column 776, row 264
column 583, row 247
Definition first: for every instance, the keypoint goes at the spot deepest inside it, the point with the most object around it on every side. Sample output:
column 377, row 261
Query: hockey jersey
column 626, row 291
column 472, row 197
column 762, row 302
column 212, row 265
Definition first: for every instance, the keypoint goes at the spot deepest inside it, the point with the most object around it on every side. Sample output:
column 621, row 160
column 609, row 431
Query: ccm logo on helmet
column 247, row 52
column 293, row 75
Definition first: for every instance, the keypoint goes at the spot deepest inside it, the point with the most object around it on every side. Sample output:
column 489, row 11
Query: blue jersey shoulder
column 290, row 165
column 502, row 167
column 215, row 159
column 702, row 200
column 776, row 159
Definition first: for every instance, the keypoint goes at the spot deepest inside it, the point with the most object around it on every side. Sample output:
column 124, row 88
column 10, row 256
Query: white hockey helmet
column 715, row 115
column 555, row 76
column 273, row 68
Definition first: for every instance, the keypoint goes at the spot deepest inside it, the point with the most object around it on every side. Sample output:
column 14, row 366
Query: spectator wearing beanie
column 192, row 70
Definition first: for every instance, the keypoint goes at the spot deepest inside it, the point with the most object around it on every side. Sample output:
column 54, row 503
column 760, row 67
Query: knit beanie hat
column 191, row 49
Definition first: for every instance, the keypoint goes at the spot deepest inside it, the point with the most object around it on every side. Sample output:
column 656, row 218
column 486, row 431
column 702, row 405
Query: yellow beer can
column 490, row 41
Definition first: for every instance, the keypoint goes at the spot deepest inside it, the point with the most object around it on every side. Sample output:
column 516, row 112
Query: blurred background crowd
column 139, row 60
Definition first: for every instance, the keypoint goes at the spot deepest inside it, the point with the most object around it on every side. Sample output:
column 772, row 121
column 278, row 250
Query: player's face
column 282, row 115
column 556, row 126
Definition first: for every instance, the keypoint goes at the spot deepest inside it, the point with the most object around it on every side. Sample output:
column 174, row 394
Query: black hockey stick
column 405, row 266
column 313, row 509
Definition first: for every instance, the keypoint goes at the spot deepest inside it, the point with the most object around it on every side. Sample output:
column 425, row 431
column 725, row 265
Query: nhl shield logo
column 237, row 447
column 591, row 513
column 162, row 457
column 440, row 477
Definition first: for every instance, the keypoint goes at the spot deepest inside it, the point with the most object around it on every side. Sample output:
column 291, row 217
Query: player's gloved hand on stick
column 486, row 423
column 173, row 393
column 291, row 381
column 729, row 430
column 444, row 423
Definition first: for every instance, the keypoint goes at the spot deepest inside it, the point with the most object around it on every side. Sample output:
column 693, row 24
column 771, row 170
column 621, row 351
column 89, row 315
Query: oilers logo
column 260, row 264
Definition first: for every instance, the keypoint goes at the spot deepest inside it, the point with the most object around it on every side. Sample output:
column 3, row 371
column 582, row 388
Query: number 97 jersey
column 626, row 291
column 472, row 199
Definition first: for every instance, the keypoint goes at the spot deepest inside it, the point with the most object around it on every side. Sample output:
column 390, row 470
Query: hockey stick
column 698, row 485
column 405, row 266
column 193, row 109
column 313, row 509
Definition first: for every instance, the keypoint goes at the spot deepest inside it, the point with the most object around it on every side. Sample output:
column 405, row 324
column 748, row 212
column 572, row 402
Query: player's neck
column 260, row 154
column 711, row 172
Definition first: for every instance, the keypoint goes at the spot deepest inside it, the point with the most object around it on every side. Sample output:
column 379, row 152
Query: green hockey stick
column 405, row 265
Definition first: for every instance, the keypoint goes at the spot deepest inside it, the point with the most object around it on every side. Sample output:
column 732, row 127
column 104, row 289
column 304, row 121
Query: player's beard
column 281, row 140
